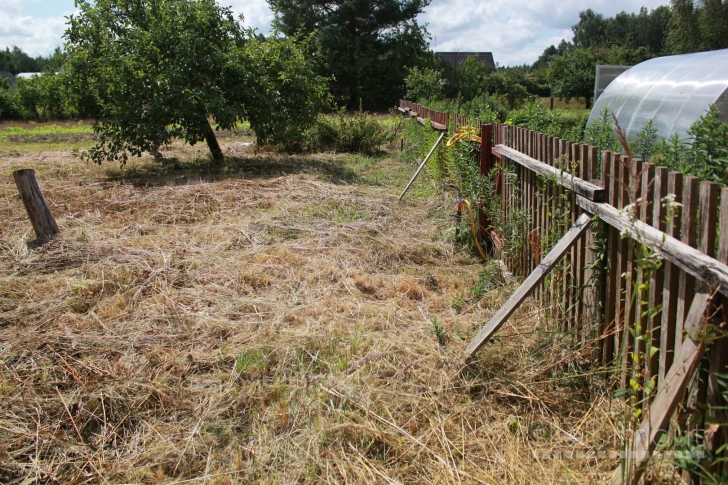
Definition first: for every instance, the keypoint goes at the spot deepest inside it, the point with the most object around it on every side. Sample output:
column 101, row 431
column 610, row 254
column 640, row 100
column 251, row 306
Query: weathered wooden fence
column 606, row 290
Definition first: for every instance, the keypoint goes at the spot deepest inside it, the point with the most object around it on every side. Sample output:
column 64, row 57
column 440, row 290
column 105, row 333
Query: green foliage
column 625, row 39
column 15, row 60
column 646, row 144
column 359, row 133
column 490, row 277
column 707, row 156
column 465, row 80
column 645, row 30
column 160, row 69
column 44, row 97
column 509, row 87
column 670, row 152
column 572, row 74
column 601, row 133
column 697, row 26
column 8, row 101
column 704, row 154
column 365, row 46
column 439, row 331
column 462, row 169
column 535, row 117
column 282, row 95
column 485, row 107
column 424, row 85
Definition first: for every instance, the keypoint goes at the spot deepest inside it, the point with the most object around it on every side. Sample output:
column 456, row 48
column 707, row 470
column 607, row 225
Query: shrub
column 360, row 133
column 534, row 116
column 8, row 102
column 704, row 154
column 424, row 85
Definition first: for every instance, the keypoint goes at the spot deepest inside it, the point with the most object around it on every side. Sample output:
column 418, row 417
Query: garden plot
column 273, row 319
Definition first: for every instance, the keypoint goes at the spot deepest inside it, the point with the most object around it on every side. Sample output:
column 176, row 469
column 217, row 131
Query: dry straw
column 270, row 321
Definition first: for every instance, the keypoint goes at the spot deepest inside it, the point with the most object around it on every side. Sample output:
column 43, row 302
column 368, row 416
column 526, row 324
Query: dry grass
column 271, row 320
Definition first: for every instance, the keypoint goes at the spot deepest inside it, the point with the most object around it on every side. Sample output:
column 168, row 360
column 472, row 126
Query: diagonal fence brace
column 529, row 284
column 422, row 165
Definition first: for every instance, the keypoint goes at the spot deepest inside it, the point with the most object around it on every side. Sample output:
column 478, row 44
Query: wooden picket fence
column 603, row 291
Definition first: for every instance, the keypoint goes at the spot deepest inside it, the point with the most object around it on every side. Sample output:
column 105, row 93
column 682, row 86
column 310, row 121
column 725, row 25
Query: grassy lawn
column 270, row 319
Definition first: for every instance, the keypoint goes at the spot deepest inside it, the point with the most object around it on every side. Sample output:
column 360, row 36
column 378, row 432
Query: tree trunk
column 588, row 102
column 39, row 214
column 212, row 143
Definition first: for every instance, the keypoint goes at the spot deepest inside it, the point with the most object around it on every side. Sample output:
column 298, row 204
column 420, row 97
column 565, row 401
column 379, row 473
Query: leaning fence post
column 35, row 205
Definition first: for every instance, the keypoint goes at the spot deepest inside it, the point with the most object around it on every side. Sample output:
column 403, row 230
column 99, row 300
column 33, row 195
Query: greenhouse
column 673, row 91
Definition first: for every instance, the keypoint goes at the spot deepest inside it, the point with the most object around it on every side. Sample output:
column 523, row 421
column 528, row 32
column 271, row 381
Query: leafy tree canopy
column 467, row 79
column 424, row 85
column 572, row 74
column 161, row 69
column 366, row 46
column 696, row 26
column 647, row 29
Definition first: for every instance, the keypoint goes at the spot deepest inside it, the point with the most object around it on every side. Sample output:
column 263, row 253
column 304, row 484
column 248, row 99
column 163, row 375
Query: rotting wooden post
column 39, row 214
column 486, row 164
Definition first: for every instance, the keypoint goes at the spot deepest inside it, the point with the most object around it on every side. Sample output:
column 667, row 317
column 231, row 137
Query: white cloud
column 516, row 31
column 11, row 4
column 257, row 14
column 34, row 36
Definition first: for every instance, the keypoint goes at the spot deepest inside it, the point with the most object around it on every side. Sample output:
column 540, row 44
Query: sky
column 515, row 31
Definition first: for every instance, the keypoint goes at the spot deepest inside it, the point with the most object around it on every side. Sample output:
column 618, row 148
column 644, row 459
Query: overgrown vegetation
column 341, row 132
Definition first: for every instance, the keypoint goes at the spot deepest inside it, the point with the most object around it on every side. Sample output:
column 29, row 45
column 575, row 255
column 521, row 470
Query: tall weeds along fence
column 612, row 291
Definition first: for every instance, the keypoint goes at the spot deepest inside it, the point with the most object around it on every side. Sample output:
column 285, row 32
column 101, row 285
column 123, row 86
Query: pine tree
column 366, row 46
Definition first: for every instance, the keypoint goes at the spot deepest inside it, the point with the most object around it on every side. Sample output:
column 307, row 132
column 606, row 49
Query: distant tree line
column 14, row 60
column 567, row 70
column 685, row 26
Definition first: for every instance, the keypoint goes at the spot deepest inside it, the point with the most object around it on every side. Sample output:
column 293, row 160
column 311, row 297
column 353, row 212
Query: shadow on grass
column 173, row 171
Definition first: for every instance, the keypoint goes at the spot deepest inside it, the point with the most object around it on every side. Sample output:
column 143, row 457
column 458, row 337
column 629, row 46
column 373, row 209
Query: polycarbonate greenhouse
column 673, row 91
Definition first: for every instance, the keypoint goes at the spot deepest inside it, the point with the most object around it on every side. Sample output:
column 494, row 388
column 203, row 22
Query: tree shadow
column 173, row 171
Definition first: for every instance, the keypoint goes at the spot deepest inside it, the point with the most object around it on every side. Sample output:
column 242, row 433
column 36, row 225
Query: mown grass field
column 272, row 319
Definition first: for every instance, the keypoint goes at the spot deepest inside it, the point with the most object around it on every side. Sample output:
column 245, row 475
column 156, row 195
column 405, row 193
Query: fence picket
column 611, row 343
column 644, row 208
column 688, row 235
column 672, row 275
column 657, row 278
column 623, row 300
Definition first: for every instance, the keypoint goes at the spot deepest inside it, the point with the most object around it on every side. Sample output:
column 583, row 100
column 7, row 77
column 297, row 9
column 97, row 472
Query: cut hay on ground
column 273, row 320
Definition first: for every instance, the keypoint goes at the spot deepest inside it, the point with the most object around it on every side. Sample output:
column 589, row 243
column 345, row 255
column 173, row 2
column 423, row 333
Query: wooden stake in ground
column 40, row 215
column 530, row 283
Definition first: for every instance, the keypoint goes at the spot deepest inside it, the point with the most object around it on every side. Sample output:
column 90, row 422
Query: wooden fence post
column 40, row 215
column 486, row 164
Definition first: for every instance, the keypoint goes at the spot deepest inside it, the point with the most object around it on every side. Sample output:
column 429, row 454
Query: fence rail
column 605, row 291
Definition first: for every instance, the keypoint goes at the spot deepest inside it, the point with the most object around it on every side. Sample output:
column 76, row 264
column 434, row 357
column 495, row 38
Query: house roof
column 460, row 57
column 9, row 76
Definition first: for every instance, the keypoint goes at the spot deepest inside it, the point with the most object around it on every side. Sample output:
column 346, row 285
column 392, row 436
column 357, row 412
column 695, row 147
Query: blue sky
column 516, row 31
